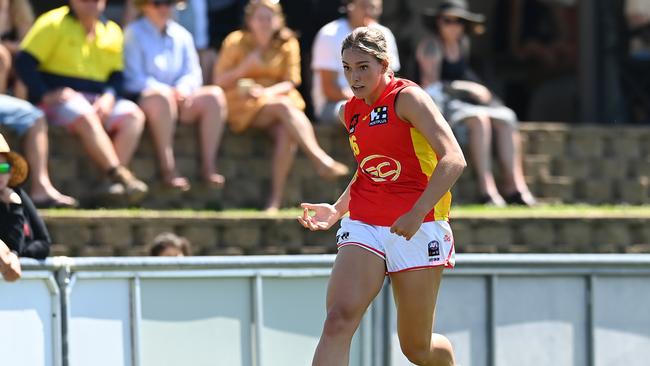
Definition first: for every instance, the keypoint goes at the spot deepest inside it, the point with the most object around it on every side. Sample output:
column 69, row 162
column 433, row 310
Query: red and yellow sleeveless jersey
column 394, row 161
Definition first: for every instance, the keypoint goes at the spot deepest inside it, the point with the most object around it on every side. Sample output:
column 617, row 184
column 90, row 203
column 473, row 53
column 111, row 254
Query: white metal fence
column 577, row 310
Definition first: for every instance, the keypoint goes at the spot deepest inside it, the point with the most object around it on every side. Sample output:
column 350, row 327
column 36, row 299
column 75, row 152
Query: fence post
column 62, row 274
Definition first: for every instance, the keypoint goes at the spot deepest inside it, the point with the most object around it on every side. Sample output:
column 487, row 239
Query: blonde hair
column 283, row 34
column 370, row 41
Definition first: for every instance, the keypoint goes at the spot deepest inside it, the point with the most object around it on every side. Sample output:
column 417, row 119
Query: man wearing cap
column 22, row 231
column 71, row 62
column 330, row 88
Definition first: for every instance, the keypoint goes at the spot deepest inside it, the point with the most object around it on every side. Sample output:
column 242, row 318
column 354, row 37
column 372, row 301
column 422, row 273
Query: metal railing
column 497, row 310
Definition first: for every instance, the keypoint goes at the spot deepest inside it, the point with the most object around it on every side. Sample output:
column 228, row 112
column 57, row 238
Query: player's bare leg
column 415, row 313
column 356, row 279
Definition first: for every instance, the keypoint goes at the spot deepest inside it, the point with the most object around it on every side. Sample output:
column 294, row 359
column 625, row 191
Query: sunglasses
column 451, row 20
column 159, row 3
column 5, row 168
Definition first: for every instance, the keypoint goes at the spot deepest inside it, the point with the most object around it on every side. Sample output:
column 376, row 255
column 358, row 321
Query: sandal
column 518, row 198
column 488, row 200
column 54, row 203
column 215, row 180
column 177, row 183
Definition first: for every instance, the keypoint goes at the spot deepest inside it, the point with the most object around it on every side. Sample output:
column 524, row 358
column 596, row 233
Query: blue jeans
column 17, row 114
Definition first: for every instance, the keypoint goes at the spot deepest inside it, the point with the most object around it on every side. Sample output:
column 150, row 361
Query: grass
column 459, row 211
column 555, row 210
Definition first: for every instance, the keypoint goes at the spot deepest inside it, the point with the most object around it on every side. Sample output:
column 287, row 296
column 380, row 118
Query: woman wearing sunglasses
column 22, row 231
column 474, row 105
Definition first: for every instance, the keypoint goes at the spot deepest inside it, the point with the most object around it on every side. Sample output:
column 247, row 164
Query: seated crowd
column 79, row 71
column 82, row 72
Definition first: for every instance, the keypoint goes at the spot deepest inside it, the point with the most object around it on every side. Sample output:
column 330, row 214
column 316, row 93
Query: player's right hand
column 325, row 215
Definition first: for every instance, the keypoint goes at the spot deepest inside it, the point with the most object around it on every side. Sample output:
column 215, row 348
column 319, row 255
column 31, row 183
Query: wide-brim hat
column 19, row 166
column 457, row 8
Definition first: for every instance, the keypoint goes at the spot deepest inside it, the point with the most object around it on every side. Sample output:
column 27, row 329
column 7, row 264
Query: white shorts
column 431, row 246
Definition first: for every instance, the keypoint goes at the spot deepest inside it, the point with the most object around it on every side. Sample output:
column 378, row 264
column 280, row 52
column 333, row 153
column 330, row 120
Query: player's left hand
column 407, row 225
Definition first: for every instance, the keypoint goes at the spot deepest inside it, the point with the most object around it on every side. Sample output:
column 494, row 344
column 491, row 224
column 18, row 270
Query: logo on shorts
column 378, row 116
column 434, row 250
column 381, row 168
column 447, row 237
column 343, row 237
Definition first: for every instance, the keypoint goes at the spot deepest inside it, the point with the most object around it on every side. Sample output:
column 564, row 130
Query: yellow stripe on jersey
column 428, row 161
column 442, row 208
column 424, row 152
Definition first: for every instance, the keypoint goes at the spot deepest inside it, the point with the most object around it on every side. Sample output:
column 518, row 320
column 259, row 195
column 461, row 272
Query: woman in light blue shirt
column 162, row 71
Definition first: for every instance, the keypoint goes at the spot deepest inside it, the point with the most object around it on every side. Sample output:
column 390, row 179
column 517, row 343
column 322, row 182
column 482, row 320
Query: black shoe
column 52, row 203
column 518, row 198
column 487, row 200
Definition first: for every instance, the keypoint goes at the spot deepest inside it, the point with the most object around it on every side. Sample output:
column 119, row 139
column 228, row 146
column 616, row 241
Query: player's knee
column 443, row 351
column 341, row 320
column 422, row 353
column 418, row 353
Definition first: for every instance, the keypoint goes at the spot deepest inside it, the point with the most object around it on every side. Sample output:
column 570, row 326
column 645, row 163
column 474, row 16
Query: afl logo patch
column 381, row 168
column 434, row 250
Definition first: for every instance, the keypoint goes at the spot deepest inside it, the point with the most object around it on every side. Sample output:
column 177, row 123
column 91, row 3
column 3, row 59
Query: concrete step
column 118, row 233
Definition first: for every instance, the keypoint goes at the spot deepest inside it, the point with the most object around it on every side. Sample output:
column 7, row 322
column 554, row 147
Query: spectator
column 16, row 17
column 22, row 231
column 330, row 90
column 637, row 15
column 259, row 68
column 636, row 61
column 193, row 16
column 224, row 17
column 71, row 62
column 429, row 59
column 28, row 121
column 306, row 18
column 481, row 111
column 170, row 245
column 162, row 69
column 543, row 35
